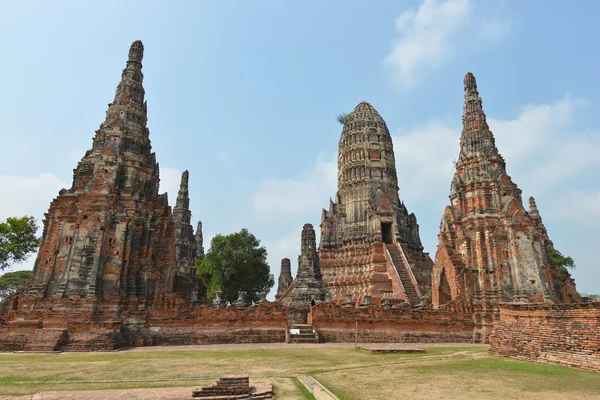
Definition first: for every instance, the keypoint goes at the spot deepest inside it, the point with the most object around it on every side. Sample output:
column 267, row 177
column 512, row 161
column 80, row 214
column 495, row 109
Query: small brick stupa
column 285, row 278
column 308, row 288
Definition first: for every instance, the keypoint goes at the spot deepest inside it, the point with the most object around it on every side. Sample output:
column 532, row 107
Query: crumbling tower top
column 136, row 51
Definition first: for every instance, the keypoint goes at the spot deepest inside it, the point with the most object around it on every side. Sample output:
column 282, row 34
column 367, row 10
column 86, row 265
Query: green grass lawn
column 440, row 372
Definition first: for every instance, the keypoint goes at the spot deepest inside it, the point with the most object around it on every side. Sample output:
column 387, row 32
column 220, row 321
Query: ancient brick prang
column 490, row 248
column 188, row 247
column 370, row 244
column 308, row 288
column 111, row 234
column 563, row 334
column 285, row 278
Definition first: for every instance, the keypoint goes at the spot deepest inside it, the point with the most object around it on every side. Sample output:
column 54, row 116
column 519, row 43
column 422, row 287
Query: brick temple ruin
column 116, row 265
column 491, row 250
column 370, row 244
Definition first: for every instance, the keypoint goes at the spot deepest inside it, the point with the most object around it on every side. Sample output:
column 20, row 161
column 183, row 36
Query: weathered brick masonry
column 89, row 324
column 116, row 266
column 566, row 334
column 378, row 324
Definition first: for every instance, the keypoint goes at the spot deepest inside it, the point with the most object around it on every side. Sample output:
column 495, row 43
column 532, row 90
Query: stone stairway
column 307, row 334
column 47, row 340
column 405, row 276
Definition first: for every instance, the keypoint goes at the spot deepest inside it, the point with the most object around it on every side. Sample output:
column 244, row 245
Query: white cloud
column 429, row 37
column 426, row 39
column 170, row 179
column 424, row 158
column 23, row 195
column 293, row 197
column 541, row 147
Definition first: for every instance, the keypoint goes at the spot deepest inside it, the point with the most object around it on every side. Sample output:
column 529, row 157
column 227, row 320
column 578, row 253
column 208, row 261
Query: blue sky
column 244, row 95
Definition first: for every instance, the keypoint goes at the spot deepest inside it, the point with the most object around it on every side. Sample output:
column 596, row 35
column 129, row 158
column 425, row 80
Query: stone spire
column 130, row 89
column 490, row 248
column 111, row 235
column 366, row 215
column 181, row 211
column 367, row 182
column 308, row 287
column 533, row 210
column 184, row 232
column 121, row 159
column 285, row 278
column 476, row 138
column 199, row 241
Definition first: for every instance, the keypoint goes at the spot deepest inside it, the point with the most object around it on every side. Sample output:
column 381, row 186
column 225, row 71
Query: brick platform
column 236, row 387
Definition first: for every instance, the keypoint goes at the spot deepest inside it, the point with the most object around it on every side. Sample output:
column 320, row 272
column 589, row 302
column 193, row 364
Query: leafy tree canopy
column 341, row 118
column 17, row 240
column 560, row 262
column 593, row 297
column 12, row 281
column 234, row 263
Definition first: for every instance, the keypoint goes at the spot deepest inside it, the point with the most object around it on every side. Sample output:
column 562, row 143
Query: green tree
column 12, row 281
column 17, row 240
column 341, row 118
column 561, row 263
column 234, row 263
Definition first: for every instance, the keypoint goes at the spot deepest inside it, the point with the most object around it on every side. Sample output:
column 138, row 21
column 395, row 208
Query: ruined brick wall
column 201, row 324
column 376, row 324
column 566, row 334
column 90, row 324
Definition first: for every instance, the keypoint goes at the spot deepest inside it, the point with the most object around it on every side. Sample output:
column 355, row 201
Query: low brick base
column 234, row 388
column 92, row 325
column 567, row 334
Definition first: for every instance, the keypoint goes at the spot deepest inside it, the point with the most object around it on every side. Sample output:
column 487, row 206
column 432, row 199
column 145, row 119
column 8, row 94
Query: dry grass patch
column 464, row 377
column 441, row 372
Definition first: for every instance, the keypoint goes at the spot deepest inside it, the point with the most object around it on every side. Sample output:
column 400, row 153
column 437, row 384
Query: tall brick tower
column 370, row 244
column 111, row 235
column 490, row 248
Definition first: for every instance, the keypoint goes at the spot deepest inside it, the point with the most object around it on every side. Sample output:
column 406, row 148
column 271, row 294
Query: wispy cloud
column 425, row 39
column 429, row 37
column 294, row 197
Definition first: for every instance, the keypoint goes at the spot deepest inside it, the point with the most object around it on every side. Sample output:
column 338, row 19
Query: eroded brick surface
column 490, row 248
column 566, row 334
column 381, row 324
column 367, row 212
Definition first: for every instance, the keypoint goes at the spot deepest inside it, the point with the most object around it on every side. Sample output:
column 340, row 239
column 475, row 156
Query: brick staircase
column 236, row 387
column 308, row 334
column 47, row 340
column 404, row 274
